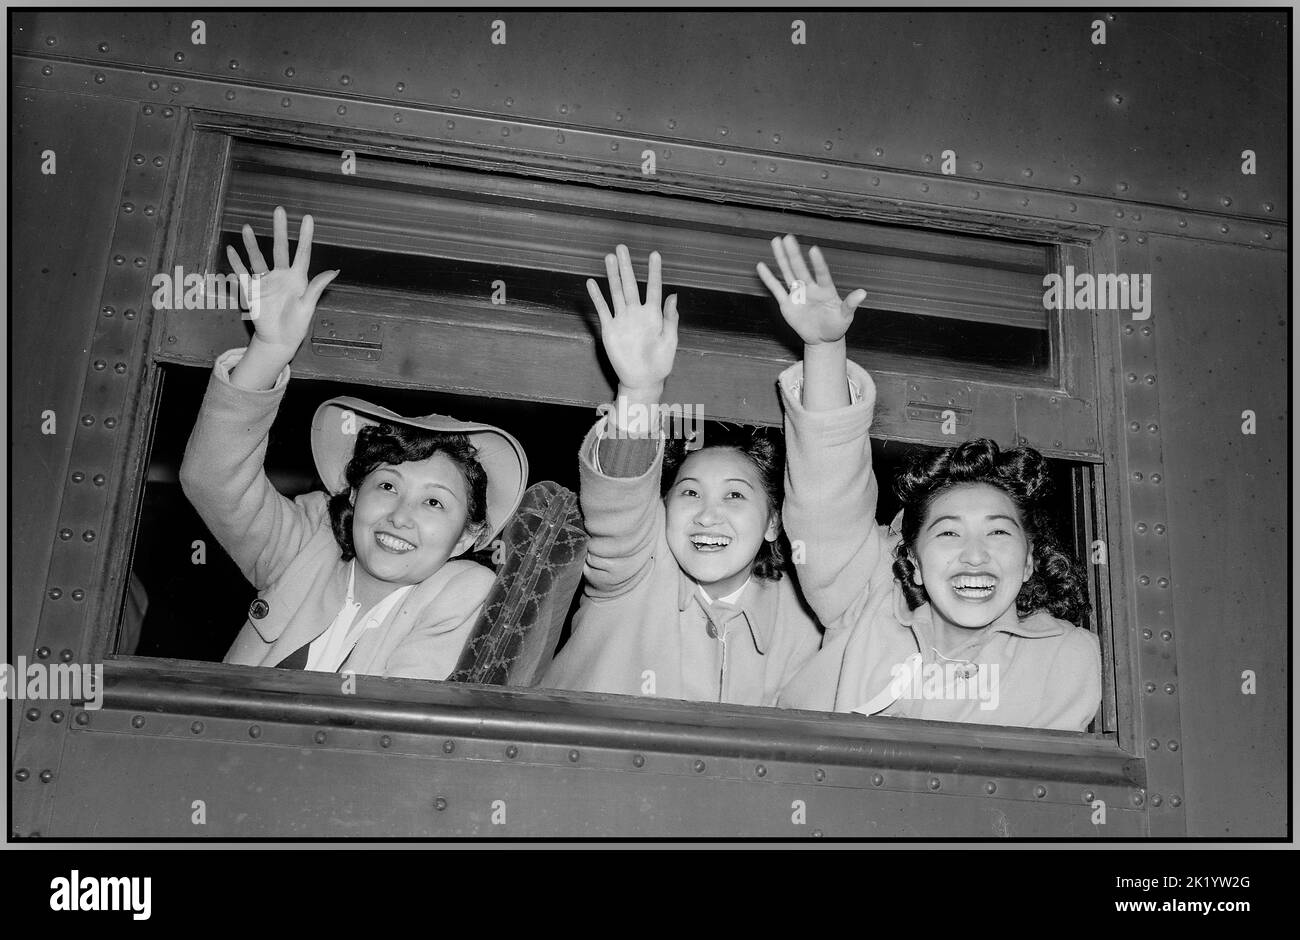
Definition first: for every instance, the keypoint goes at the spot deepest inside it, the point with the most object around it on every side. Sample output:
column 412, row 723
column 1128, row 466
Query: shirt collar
column 757, row 604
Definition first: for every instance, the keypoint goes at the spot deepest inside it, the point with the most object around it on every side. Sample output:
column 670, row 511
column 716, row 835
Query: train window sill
column 582, row 719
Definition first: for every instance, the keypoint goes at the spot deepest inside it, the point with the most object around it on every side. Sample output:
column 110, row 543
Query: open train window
column 462, row 292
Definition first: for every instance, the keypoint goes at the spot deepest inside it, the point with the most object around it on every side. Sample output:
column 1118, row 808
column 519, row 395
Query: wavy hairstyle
column 764, row 448
column 390, row 444
column 1057, row 584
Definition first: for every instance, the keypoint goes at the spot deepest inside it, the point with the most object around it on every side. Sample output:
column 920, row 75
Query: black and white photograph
column 689, row 425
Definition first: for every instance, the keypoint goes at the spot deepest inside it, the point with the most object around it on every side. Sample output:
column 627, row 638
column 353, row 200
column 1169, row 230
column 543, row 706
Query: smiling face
column 718, row 518
column 409, row 518
column 972, row 555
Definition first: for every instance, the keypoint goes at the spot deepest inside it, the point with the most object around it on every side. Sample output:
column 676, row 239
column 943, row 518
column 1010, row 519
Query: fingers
column 654, row 283
column 778, row 249
column 670, row 317
column 255, row 259
column 317, row 287
column 280, row 243
column 245, row 283
column 852, row 301
column 631, row 293
column 819, row 267
column 602, row 309
column 302, row 257
column 772, row 283
column 796, row 260
column 615, row 285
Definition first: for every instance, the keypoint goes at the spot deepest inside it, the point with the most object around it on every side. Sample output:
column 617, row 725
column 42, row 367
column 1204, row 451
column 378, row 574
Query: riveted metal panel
column 891, row 90
column 1222, row 319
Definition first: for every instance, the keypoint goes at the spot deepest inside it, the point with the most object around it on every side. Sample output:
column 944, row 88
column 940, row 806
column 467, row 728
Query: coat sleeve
column 829, row 513
column 432, row 649
column 223, row 477
column 624, row 517
column 1072, row 690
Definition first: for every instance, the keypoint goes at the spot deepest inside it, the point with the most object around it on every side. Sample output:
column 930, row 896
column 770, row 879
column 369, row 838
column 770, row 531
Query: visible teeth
column 973, row 581
column 710, row 543
column 393, row 543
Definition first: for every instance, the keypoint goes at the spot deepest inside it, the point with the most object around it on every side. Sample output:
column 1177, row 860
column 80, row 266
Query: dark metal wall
column 1130, row 151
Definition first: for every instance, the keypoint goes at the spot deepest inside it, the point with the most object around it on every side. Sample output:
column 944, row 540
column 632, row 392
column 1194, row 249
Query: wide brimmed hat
column 502, row 457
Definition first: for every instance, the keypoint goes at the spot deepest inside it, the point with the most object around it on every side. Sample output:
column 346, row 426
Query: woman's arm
column 222, row 473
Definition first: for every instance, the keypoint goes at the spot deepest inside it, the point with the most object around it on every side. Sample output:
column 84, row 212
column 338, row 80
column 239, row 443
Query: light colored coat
column 288, row 552
column 643, row 627
column 1038, row 672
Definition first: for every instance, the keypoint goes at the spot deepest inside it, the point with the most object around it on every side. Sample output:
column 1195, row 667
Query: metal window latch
column 343, row 336
column 925, row 411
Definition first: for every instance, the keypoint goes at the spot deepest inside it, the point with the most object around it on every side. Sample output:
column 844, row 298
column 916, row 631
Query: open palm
column 640, row 338
column 812, row 306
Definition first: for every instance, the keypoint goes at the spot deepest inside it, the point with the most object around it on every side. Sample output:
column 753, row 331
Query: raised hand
column 640, row 338
column 811, row 305
column 280, row 301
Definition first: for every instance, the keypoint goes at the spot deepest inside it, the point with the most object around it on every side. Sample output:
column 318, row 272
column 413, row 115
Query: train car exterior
column 955, row 158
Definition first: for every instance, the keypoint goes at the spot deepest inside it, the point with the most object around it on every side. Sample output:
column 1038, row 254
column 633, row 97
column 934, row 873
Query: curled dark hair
column 391, row 444
column 1057, row 584
column 764, row 448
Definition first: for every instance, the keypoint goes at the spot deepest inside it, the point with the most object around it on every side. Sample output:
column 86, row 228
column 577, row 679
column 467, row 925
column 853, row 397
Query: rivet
column 1173, row 745
column 828, row 145
column 1268, row 207
column 722, row 131
column 875, row 181
column 928, row 158
column 254, row 731
column 1223, row 229
column 119, row 259
column 722, row 161
column 153, row 84
column 55, row 594
column 1153, row 428
column 167, row 112
column 77, row 594
column 1150, row 687
column 1073, row 207
column 1040, row 791
column 1142, row 239
column 47, row 70
column 83, row 718
column 110, row 422
column 1146, row 331
column 1123, row 237
column 196, row 727
column 1128, row 330
column 400, row 86
column 342, row 109
column 880, row 152
column 934, row 783
column 573, row 756
column 699, row 766
column 158, row 161
column 1146, row 635
column 47, row 776
column 1169, row 688
column 760, row 770
column 1268, row 236
column 1175, row 800
column 21, row 774
column 1075, row 179
column 1122, row 186
column 1119, row 213
column 289, row 72
column 1137, row 799
column 286, row 102
column 975, row 194
column 347, row 80
column 1132, row 377
column 385, row 741
column 440, row 804
column 137, row 721
column 50, row 41
column 1162, row 582
column 99, row 78
column 234, row 64
column 1155, row 478
column 638, row 760
column 877, row 780
column 1153, row 744
column 1134, row 426
column 65, row 655
column 990, row 788
column 826, row 174
column 1156, row 800
column 1166, row 635
column 776, row 139
column 179, row 57
column 1141, row 527
column 43, row 653
column 1226, row 201
column 176, row 88
column 147, row 109
column 448, row 746
column 816, row 833
column 319, row 737
column 1144, row 580
column 819, row 775
column 1182, row 223
column 925, row 187
column 451, row 126
column 979, row 165
column 65, row 534
column 1118, row 99
column 512, row 752
column 119, row 368
column 149, row 210
column 78, row 476
column 1088, row 796
column 455, row 92
column 33, row 714
column 98, row 479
